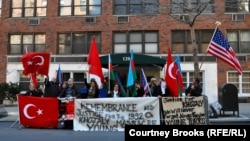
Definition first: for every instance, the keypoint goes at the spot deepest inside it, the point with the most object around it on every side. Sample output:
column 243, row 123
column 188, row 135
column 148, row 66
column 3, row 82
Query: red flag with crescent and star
column 36, row 62
column 170, row 76
column 38, row 112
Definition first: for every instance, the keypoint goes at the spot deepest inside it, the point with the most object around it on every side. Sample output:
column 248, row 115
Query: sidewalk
column 244, row 114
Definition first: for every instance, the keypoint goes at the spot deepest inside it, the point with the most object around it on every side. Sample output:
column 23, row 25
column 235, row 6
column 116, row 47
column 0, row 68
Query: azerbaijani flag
column 111, row 71
column 131, row 76
column 59, row 75
column 179, row 75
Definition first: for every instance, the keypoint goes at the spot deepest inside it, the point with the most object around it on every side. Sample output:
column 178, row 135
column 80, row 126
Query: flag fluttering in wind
column 131, row 76
column 170, row 76
column 179, row 74
column 219, row 47
column 95, row 69
column 36, row 62
column 59, row 76
column 33, row 79
column 111, row 71
column 144, row 83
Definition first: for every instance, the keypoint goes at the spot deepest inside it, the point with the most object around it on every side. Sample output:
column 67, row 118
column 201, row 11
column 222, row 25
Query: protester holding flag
column 51, row 88
column 194, row 89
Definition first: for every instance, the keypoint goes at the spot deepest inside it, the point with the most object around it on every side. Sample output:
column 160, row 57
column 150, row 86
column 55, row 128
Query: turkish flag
column 94, row 61
column 171, row 75
column 38, row 112
column 36, row 62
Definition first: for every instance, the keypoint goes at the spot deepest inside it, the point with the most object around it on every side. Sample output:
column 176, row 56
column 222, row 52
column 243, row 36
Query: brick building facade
column 109, row 23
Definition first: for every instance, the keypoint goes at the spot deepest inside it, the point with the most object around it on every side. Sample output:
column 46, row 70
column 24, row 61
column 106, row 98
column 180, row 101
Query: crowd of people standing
column 156, row 88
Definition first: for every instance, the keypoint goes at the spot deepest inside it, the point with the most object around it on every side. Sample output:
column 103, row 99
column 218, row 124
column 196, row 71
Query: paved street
column 10, row 130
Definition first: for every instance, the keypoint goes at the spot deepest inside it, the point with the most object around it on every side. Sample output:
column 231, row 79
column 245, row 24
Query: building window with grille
column 21, row 43
column 239, row 40
column 77, row 43
column 28, row 8
column 139, row 42
column 133, row 7
column 80, row 7
column 242, row 82
column 237, row 6
column 197, row 6
column 181, row 41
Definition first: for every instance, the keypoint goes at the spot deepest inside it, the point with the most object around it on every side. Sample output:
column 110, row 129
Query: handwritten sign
column 184, row 111
column 112, row 114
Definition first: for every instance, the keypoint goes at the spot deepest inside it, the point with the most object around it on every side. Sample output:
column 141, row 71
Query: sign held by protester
column 184, row 110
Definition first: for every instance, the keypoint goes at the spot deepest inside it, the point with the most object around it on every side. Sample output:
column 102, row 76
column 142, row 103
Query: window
column 181, row 41
column 77, row 43
column 29, row 8
column 80, row 7
column 78, row 77
column 139, row 42
column 237, row 6
column 131, row 7
column 25, row 80
column 239, row 40
column 19, row 43
column 188, row 78
column 0, row 8
column 181, row 6
column 242, row 82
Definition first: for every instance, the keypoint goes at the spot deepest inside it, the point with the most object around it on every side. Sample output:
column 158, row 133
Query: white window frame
column 240, row 93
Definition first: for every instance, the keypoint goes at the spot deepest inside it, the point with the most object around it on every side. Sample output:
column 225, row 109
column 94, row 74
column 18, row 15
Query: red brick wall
column 106, row 23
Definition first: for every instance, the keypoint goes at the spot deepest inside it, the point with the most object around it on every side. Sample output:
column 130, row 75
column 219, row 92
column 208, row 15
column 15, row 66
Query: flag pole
column 217, row 24
column 109, row 73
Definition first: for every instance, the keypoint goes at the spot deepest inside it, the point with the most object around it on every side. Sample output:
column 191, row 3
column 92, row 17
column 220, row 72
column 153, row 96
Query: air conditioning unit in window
column 90, row 19
column 238, row 17
column 34, row 21
column 184, row 18
column 123, row 19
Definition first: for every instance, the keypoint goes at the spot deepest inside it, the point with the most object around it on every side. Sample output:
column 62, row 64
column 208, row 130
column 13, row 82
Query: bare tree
column 191, row 13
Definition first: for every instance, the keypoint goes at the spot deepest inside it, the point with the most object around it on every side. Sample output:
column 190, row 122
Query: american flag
column 220, row 48
column 144, row 83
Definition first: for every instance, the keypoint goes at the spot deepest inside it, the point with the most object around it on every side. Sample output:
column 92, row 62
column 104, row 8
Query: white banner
column 112, row 114
column 184, row 110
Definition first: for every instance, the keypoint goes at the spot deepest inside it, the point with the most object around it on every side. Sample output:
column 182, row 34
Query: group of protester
column 156, row 88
